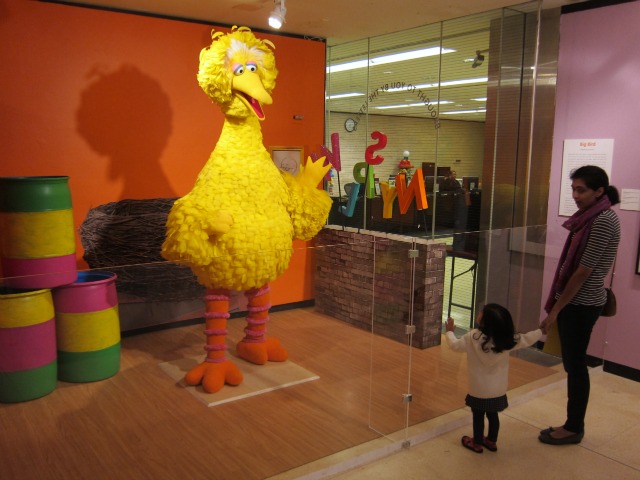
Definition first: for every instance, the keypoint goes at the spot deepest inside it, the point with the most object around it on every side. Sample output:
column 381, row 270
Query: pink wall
column 597, row 97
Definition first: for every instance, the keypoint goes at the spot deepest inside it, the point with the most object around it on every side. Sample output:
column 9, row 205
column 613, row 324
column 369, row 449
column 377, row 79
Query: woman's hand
column 570, row 290
column 546, row 324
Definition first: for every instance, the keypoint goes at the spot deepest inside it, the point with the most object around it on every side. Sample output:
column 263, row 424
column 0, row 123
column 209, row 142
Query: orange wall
column 111, row 100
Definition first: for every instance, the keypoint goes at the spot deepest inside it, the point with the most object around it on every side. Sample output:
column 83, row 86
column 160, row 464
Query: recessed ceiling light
column 276, row 18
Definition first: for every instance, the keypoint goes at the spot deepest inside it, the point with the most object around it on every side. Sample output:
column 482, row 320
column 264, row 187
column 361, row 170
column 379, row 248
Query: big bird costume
column 235, row 229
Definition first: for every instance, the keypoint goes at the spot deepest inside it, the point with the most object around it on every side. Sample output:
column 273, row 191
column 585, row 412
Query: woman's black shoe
column 569, row 440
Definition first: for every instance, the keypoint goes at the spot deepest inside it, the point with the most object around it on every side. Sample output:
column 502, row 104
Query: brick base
column 365, row 279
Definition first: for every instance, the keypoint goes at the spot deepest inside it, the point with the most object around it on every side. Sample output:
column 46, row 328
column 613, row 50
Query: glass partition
column 395, row 302
column 450, row 102
column 436, row 134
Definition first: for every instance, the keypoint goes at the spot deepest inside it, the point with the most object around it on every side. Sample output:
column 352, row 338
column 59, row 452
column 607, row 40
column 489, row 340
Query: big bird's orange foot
column 261, row 353
column 213, row 376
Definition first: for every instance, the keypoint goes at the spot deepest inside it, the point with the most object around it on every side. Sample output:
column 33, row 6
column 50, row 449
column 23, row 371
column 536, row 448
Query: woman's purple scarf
column 579, row 226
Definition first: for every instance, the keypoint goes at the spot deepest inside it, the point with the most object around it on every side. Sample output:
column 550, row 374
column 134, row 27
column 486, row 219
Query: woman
column 577, row 294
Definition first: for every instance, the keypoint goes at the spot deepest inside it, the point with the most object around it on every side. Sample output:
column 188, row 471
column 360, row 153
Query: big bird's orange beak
column 250, row 90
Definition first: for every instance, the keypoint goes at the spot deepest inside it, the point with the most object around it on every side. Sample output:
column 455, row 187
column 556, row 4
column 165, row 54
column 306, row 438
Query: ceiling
column 337, row 21
column 389, row 23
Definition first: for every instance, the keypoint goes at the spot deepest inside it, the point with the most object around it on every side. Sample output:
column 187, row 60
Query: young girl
column 488, row 348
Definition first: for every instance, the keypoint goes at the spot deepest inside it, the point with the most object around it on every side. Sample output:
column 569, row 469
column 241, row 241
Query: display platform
column 258, row 379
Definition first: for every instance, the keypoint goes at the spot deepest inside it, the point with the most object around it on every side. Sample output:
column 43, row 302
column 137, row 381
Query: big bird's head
column 238, row 72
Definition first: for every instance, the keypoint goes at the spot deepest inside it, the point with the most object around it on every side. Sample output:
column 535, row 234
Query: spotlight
column 478, row 60
column 276, row 19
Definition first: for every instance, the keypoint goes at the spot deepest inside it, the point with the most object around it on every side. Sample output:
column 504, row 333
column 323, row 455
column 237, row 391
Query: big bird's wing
column 308, row 206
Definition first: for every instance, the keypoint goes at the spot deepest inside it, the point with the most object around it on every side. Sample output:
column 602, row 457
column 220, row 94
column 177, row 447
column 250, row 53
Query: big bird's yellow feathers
column 235, row 228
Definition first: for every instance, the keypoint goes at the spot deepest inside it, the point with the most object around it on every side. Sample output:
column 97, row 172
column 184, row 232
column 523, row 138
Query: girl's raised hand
column 449, row 326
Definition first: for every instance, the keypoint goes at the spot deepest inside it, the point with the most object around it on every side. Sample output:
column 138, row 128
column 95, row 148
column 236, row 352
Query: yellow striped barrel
column 37, row 236
column 28, row 367
column 87, row 328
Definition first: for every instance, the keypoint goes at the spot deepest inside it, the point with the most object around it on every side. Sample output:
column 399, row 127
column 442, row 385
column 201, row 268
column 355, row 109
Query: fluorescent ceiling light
column 482, row 99
column 405, row 105
column 450, row 83
column 391, row 58
column 344, row 95
column 399, row 57
column 456, row 112
column 347, row 66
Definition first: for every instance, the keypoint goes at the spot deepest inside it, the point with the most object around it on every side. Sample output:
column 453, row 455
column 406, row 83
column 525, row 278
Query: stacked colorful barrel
column 37, row 240
column 55, row 323
column 87, row 328
column 28, row 367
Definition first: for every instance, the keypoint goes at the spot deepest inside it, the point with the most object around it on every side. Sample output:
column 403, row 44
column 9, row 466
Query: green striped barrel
column 37, row 237
column 87, row 328
column 28, row 367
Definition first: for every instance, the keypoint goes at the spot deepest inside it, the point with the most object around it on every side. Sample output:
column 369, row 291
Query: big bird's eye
column 252, row 67
column 238, row 69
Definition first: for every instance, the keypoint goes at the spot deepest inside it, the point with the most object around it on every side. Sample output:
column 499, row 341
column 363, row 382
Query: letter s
column 382, row 143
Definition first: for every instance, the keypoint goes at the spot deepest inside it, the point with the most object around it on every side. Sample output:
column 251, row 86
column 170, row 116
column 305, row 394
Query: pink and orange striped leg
column 216, row 370
column 256, row 347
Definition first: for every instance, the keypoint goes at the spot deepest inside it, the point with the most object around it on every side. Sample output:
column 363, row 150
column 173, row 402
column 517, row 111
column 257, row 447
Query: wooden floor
column 141, row 425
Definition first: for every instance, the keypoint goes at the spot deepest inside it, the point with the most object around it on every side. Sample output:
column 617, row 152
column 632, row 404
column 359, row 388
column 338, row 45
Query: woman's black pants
column 575, row 323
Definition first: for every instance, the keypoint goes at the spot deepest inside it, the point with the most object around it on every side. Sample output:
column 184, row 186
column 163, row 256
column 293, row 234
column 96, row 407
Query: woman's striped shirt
column 598, row 255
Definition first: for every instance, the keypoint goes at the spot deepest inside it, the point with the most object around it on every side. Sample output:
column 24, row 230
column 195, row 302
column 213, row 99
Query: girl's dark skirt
column 496, row 404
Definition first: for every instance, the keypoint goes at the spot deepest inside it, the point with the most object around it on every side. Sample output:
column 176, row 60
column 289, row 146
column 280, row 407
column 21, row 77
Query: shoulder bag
column 610, row 307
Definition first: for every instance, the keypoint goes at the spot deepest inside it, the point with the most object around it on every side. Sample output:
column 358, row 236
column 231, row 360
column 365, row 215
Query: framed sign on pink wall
column 638, row 259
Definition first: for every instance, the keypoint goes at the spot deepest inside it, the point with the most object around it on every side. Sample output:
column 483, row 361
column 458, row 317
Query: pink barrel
column 37, row 236
column 28, row 367
column 87, row 328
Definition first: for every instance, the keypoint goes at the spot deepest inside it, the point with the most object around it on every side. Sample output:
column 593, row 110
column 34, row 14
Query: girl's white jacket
column 488, row 371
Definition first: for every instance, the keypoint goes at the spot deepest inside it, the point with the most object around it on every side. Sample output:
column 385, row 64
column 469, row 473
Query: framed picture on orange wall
column 287, row 159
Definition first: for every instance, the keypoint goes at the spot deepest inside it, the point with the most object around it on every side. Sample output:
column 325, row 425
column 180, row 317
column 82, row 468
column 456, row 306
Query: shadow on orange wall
column 126, row 116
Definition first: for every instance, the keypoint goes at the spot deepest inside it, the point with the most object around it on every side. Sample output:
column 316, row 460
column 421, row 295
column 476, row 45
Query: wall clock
column 350, row 125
